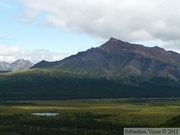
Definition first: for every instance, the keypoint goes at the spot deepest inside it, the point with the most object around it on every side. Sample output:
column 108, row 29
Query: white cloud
column 130, row 20
column 6, row 50
column 4, row 3
column 10, row 53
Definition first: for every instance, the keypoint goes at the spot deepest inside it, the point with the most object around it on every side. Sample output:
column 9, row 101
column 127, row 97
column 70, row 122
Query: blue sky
column 52, row 30
column 14, row 32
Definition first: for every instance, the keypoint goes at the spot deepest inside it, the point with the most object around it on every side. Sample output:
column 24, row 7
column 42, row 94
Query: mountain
column 4, row 66
column 16, row 65
column 117, row 58
column 115, row 69
column 20, row 64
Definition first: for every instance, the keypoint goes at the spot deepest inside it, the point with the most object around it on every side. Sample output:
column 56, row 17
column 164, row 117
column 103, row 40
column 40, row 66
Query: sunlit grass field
column 99, row 114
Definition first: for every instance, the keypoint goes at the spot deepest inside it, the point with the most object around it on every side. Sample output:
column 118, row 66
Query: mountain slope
column 4, row 66
column 118, row 58
column 58, row 84
column 20, row 64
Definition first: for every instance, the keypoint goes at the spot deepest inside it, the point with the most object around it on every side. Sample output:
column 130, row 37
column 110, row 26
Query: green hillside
column 58, row 84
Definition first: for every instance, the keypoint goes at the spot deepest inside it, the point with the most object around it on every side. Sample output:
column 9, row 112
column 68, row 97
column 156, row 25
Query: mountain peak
column 115, row 40
column 20, row 61
column 21, row 64
column 16, row 65
column 115, row 45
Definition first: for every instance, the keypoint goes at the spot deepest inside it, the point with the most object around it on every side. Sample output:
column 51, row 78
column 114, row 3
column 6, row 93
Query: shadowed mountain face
column 117, row 58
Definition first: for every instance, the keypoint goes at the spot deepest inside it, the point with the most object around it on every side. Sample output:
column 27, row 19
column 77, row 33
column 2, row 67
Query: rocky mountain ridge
column 118, row 58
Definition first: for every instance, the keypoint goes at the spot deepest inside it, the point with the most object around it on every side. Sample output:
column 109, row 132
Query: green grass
column 83, row 116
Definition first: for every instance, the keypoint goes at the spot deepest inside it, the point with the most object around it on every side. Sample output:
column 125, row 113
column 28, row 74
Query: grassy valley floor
column 86, row 117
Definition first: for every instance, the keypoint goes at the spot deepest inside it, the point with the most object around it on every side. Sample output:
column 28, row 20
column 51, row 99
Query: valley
column 86, row 116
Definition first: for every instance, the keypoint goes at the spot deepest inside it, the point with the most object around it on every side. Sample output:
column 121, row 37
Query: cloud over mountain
column 10, row 53
column 130, row 20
